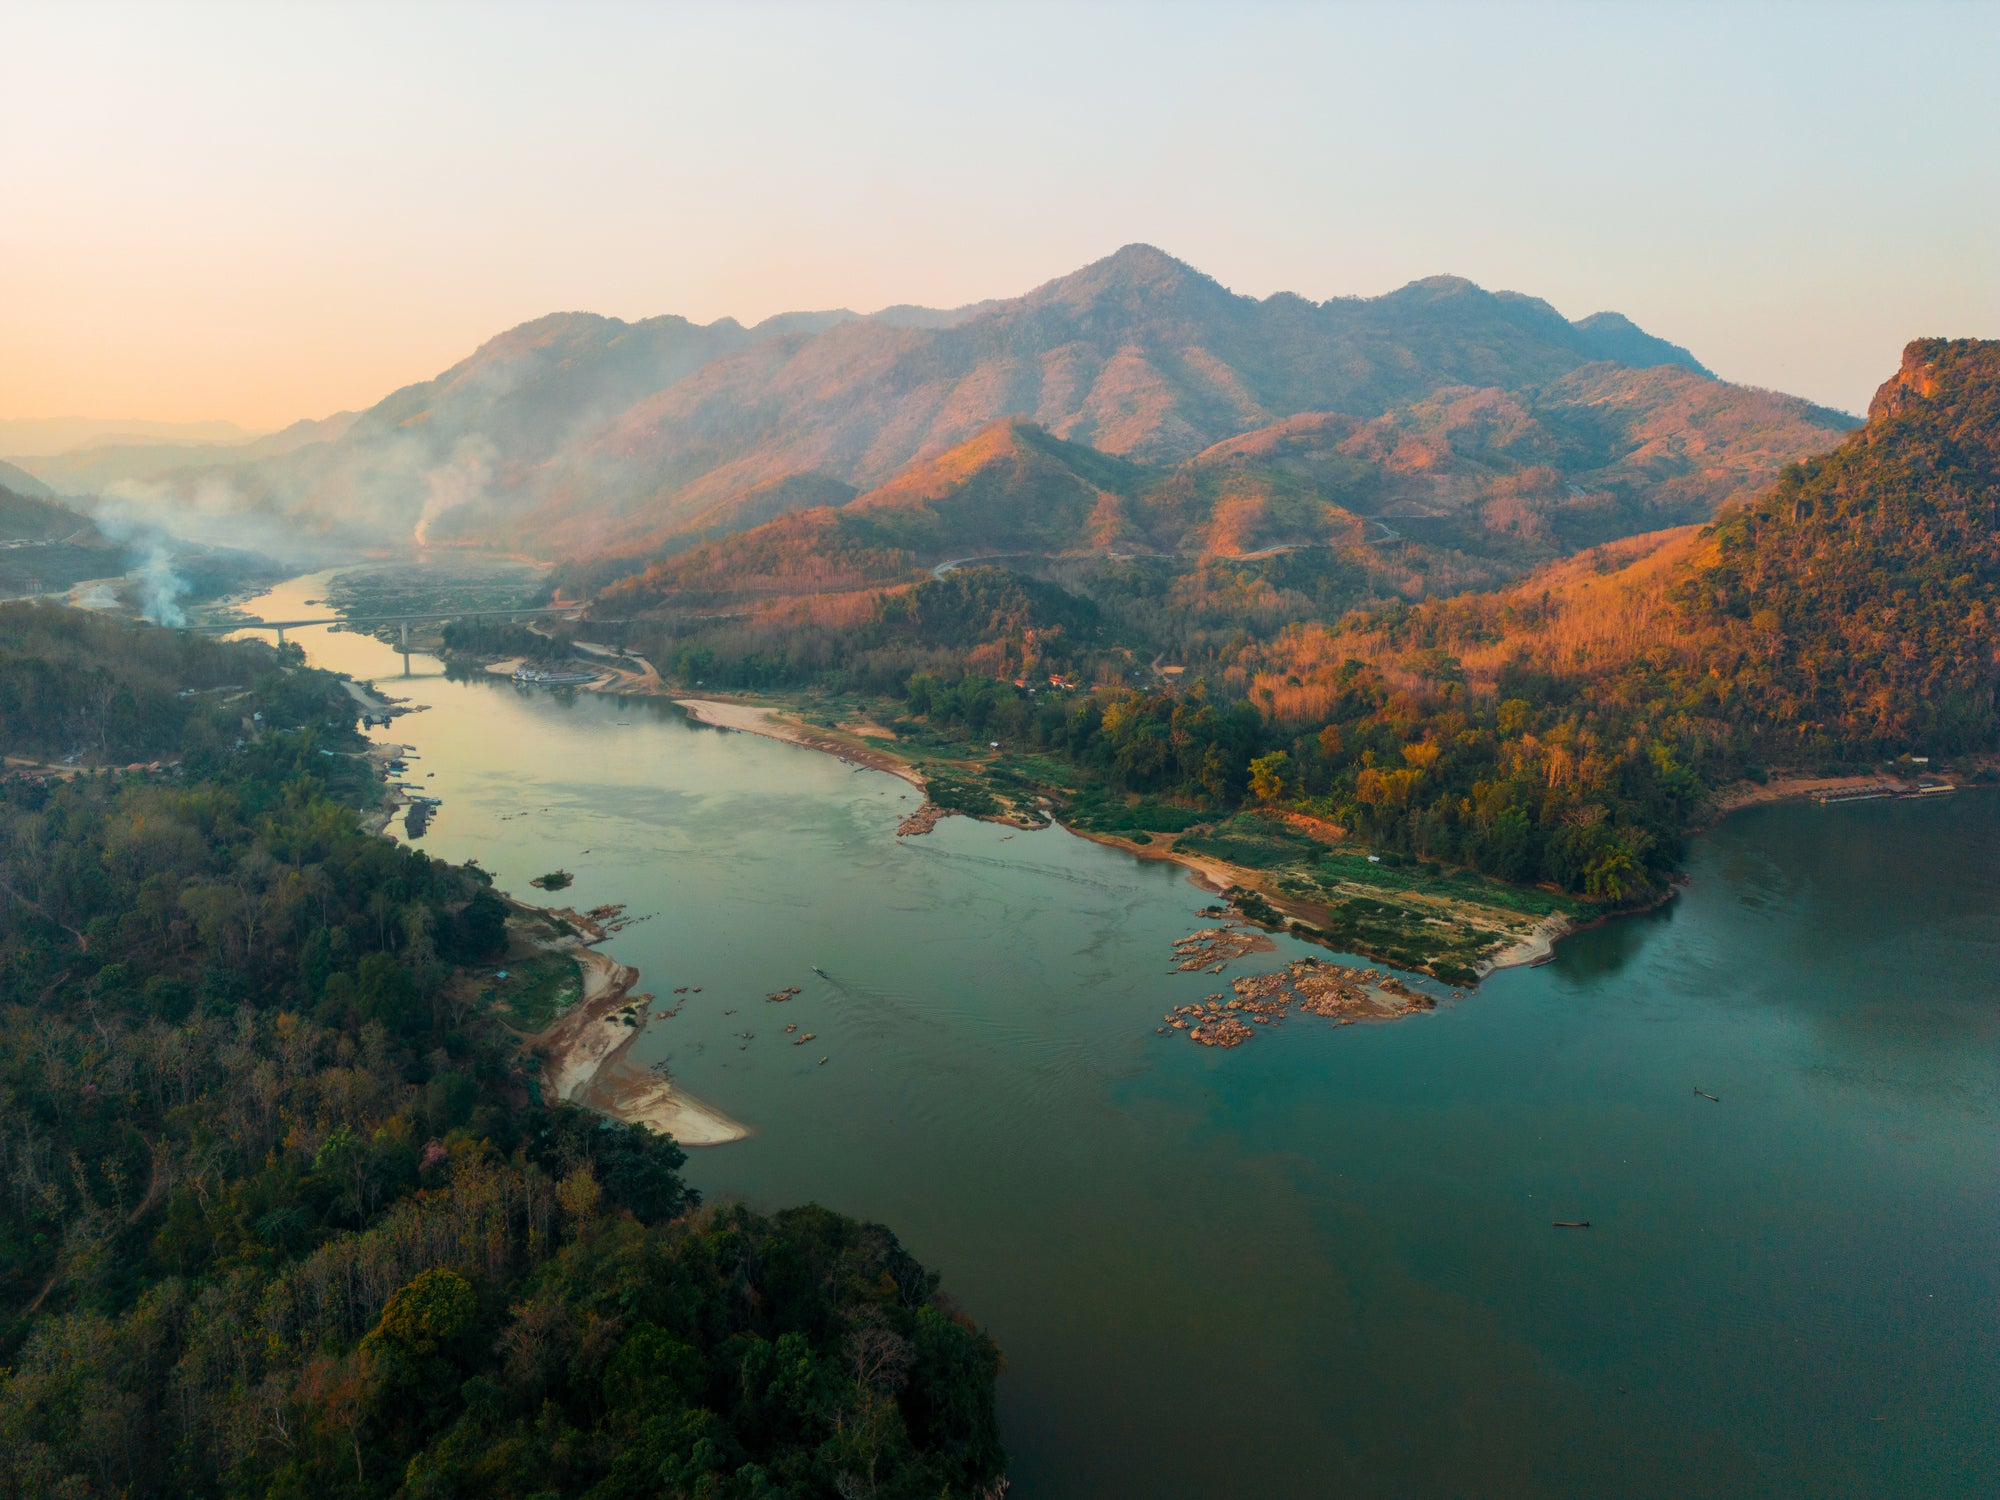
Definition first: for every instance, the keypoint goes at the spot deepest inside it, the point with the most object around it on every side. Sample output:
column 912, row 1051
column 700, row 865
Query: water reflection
column 1602, row 951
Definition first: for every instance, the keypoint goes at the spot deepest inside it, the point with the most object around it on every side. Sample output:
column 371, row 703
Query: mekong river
column 1322, row 1263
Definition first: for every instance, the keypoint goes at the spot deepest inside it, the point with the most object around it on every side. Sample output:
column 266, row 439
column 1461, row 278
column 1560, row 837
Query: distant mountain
column 1614, row 336
column 40, row 436
column 21, row 482
column 103, row 467
column 578, row 435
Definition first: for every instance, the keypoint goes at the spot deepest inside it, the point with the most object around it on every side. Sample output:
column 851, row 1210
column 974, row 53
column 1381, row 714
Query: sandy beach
column 755, row 718
column 1538, row 945
column 583, row 1059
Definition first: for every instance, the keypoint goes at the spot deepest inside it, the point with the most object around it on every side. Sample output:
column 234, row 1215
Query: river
column 1322, row 1263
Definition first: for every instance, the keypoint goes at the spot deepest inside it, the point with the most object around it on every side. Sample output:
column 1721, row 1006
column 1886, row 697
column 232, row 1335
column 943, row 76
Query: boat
column 821, row 972
column 552, row 677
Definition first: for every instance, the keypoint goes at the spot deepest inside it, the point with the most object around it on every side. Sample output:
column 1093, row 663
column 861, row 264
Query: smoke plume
column 160, row 587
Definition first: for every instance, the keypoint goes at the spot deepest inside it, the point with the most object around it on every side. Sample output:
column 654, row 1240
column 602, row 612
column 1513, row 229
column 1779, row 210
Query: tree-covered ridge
column 1868, row 582
column 1847, row 613
column 77, row 682
column 1466, row 487
column 285, row 1215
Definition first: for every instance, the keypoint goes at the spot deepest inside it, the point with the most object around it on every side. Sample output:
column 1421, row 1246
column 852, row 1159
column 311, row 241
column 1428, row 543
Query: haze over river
column 1322, row 1263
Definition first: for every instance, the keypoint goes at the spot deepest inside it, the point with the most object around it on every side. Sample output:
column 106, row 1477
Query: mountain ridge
column 576, row 434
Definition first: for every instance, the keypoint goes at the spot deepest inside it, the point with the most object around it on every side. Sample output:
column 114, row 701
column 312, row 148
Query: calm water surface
column 1322, row 1263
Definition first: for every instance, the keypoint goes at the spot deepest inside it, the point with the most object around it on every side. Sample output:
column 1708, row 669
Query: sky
column 265, row 212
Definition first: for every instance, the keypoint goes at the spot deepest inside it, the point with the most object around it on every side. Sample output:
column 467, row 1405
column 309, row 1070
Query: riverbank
column 583, row 1049
column 1795, row 788
column 1537, row 946
column 765, row 719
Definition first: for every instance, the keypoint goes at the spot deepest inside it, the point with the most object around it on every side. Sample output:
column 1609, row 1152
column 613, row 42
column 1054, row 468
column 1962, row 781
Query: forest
column 284, row 1211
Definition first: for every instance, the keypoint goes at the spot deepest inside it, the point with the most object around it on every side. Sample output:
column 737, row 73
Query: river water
column 1322, row 1263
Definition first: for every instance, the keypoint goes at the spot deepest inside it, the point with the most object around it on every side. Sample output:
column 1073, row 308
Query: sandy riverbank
column 756, row 718
column 1537, row 947
column 393, row 800
column 583, row 1060
column 1792, row 788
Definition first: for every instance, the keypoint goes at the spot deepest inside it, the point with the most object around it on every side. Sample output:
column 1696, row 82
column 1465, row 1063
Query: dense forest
column 284, row 1213
column 1567, row 730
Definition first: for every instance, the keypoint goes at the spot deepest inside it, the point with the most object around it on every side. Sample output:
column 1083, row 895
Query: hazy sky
column 267, row 212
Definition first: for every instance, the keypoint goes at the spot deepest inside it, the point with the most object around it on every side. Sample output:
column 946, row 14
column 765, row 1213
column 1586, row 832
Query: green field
column 537, row 990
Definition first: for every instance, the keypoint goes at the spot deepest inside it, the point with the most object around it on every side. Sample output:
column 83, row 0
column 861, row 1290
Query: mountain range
column 1472, row 416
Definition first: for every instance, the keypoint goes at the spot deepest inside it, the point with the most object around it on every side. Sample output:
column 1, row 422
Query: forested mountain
column 577, row 435
column 284, row 1213
column 1850, row 611
column 1566, row 729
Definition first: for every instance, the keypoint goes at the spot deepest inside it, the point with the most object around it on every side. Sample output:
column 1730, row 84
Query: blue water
column 1323, row 1262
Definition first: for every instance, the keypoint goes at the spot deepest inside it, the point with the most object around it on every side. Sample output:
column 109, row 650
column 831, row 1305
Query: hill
column 45, row 546
column 21, row 482
column 1465, row 488
column 577, row 435
column 1850, row 611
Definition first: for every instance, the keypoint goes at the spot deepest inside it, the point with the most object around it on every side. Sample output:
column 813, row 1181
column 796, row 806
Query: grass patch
column 537, row 990
column 1462, row 885
column 1101, row 812
column 955, row 792
column 1252, row 842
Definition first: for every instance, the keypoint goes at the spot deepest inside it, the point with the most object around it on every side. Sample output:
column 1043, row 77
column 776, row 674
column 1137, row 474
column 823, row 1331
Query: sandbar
column 582, row 1060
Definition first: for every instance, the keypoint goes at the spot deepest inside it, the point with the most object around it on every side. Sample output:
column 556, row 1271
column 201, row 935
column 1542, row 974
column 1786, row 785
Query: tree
column 1268, row 775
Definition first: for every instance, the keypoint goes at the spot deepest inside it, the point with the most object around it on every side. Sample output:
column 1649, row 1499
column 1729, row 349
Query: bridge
column 404, row 621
